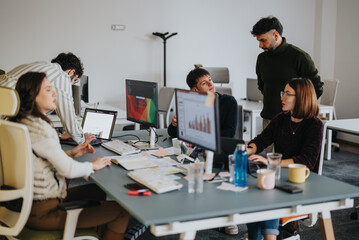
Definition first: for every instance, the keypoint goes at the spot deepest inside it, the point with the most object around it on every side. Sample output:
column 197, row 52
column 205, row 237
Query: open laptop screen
column 99, row 122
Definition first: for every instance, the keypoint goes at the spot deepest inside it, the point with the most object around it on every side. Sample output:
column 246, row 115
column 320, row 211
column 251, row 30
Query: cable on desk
column 126, row 135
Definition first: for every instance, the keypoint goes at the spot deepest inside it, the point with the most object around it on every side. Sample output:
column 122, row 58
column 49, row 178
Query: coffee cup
column 298, row 173
column 265, row 179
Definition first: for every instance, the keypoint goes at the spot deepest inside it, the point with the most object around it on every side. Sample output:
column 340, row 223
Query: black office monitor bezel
column 145, row 123
column 96, row 110
column 216, row 116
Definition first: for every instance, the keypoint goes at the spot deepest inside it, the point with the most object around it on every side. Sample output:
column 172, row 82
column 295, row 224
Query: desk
column 255, row 108
column 350, row 126
column 181, row 213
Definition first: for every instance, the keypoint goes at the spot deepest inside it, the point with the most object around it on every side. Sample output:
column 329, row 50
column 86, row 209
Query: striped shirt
column 61, row 83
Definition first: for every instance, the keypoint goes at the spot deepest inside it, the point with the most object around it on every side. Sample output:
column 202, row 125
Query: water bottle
column 240, row 166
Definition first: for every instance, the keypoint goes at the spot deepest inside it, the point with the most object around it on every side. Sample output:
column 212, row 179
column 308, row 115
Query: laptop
column 253, row 93
column 228, row 145
column 99, row 122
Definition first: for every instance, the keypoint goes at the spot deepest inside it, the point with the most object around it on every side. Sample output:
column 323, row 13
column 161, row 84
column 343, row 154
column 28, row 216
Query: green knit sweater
column 274, row 69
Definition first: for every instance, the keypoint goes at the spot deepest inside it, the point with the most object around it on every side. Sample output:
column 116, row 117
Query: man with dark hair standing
column 62, row 72
column 279, row 63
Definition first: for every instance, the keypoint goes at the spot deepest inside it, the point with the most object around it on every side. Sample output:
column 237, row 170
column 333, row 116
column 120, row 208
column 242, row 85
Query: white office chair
column 220, row 75
column 328, row 98
column 329, row 95
column 16, row 179
column 166, row 106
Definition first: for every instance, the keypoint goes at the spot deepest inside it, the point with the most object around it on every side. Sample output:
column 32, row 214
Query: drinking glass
column 195, row 177
column 274, row 162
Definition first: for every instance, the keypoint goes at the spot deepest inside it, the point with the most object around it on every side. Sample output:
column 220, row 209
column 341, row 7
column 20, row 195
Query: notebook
column 99, row 122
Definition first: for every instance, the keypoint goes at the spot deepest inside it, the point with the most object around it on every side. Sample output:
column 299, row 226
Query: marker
column 136, row 193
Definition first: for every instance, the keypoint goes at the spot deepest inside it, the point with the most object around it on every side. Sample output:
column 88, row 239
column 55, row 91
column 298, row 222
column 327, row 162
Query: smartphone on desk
column 135, row 186
column 288, row 188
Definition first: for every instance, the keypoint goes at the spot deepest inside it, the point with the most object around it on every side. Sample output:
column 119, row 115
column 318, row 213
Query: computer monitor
column 198, row 122
column 142, row 103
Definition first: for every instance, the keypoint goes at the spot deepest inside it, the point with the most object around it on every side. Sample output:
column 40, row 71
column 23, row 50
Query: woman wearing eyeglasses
column 297, row 135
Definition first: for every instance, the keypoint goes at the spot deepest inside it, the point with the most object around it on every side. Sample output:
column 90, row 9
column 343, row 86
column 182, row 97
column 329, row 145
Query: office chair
column 16, row 180
column 166, row 106
column 328, row 98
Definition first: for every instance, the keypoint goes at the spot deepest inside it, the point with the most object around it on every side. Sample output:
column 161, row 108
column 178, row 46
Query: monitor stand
column 151, row 145
column 209, row 162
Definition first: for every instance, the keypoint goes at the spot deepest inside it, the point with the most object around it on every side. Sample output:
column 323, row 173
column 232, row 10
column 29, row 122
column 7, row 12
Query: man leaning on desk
column 63, row 71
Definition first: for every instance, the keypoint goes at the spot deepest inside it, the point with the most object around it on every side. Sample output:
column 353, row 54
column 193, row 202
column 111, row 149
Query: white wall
column 210, row 32
column 346, row 62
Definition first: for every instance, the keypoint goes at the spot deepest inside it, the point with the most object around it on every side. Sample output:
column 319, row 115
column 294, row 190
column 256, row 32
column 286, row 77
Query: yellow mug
column 298, row 173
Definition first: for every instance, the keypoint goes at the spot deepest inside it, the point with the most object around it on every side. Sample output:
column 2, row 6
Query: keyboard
column 120, row 147
column 154, row 180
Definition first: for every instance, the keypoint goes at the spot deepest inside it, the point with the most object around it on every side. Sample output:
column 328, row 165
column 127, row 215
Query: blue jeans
column 256, row 230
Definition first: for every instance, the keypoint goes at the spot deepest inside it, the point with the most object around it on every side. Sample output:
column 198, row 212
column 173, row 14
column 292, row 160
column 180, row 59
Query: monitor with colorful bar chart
column 197, row 118
column 142, row 102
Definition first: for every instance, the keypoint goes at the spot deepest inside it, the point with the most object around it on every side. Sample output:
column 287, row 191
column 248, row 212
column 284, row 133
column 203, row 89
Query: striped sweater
column 61, row 83
column 51, row 164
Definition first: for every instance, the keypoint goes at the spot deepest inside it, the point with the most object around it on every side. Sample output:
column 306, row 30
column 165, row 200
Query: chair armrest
column 78, row 204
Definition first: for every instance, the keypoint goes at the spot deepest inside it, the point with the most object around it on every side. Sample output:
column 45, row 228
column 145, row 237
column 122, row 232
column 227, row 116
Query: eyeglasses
column 285, row 94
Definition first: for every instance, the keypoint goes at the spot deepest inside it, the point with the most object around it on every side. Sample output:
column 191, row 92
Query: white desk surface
column 256, row 107
column 345, row 125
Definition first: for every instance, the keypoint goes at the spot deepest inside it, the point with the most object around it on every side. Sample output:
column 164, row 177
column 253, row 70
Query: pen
column 164, row 139
column 136, row 193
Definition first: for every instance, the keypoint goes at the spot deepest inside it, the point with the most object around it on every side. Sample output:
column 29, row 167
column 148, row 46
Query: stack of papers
column 143, row 160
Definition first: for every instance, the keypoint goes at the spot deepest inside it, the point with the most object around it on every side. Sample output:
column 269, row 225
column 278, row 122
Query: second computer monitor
column 197, row 119
column 142, row 102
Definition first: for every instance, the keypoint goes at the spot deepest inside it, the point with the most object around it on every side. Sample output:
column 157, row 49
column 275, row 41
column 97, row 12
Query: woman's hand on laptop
column 258, row 158
column 89, row 137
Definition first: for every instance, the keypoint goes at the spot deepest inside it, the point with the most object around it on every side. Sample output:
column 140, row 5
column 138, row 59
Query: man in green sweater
column 279, row 63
